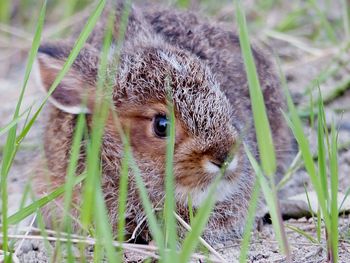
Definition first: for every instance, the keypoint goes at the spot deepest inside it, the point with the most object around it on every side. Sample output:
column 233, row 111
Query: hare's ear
column 75, row 93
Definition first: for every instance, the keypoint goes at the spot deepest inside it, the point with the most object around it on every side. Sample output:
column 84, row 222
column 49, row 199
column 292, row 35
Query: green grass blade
column 183, row 3
column 262, row 126
column 190, row 208
column 199, row 222
column 295, row 125
column 303, row 233
column 292, row 20
column 250, row 223
column 5, row 11
column 169, row 207
column 310, row 208
column 33, row 207
column 312, row 113
column 147, row 205
column 10, row 146
column 294, row 166
column 346, row 20
column 122, row 201
column 334, row 212
column 104, row 230
column 12, row 123
column 90, row 24
column 123, row 194
column 74, row 53
column 101, row 109
column 319, row 225
column 69, row 62
column 72, row 166
column 270, row 200
column 42, row 227
column 322, row 165
column 24, row 198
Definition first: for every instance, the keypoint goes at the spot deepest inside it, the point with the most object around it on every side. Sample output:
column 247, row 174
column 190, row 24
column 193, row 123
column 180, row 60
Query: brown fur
column 203, row 66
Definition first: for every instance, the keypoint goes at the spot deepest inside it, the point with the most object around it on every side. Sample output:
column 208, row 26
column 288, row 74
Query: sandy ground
column 299, row 72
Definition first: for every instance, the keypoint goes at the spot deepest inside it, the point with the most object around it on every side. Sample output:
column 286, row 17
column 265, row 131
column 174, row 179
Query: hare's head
column 144, row 81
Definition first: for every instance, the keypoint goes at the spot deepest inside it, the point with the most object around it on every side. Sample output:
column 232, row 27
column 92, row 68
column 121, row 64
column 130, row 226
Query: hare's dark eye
column 160, row 124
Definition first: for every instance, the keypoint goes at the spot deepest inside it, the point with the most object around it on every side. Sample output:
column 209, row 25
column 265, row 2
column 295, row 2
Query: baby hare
column 198, row 65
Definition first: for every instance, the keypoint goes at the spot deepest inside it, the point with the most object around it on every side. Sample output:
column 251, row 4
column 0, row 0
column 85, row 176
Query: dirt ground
column 299, row 70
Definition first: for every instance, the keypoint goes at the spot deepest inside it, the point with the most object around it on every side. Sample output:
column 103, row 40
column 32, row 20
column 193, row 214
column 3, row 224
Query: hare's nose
column 219, row 159
column 220, row 153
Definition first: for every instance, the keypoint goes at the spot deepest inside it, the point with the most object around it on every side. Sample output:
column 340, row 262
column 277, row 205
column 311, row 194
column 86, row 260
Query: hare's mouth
column 224, row 191
column 201, row 188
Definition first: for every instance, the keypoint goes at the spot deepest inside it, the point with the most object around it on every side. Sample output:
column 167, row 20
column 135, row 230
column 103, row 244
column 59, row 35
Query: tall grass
column 11, row 146
column 327, row 197
column 13, row 141
column 169, row 204
column 264, row 139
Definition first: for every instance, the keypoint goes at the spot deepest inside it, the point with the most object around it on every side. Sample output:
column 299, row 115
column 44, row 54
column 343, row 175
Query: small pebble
column 302, row 220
